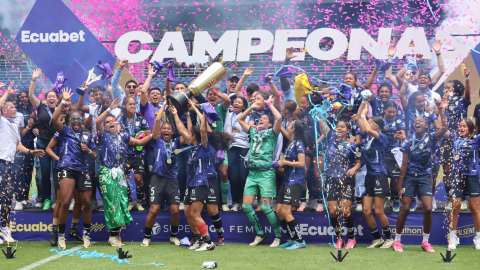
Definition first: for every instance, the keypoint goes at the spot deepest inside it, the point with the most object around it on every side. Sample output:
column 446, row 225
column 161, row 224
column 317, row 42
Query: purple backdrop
column 36, row 226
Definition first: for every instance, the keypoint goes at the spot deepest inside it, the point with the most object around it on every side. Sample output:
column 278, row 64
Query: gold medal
column 214, row 124
column 169, row 161
column 358, row 154
column 457, row 157
column 117, row 156
column 176, row 151
column 350, row 108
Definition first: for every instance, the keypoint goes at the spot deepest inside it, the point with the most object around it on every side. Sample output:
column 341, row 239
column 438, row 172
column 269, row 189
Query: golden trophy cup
column 179, row 99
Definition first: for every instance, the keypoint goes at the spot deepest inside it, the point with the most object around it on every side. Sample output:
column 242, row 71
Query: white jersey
column 9, row 132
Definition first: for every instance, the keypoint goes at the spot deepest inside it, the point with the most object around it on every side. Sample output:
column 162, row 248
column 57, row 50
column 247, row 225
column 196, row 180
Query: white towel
column 398, row 156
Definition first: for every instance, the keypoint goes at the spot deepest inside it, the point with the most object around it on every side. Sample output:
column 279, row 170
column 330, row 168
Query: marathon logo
column 408, row 230
column 27, row 36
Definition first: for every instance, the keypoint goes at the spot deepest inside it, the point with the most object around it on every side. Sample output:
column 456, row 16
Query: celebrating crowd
column 258, row 145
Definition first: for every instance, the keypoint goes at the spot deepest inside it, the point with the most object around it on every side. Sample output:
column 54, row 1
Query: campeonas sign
column 236, row 45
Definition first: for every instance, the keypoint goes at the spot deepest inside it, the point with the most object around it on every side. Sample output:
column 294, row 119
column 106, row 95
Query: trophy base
column 179, row 100
column 80, row 91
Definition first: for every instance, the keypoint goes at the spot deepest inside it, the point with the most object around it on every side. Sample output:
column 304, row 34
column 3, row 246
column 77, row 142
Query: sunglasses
column 75, row 118
column 111, row 121
column 131, row 86
column 107, row 102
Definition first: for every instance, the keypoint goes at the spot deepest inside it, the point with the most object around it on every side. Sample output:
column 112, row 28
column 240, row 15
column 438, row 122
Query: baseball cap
column 233, row 76
column 424, row 73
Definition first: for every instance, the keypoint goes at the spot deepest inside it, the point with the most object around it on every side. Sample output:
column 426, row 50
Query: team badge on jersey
column 399, row 121
column 137, row 123
column 426, row 139
column 421, row 146
column 85, row 137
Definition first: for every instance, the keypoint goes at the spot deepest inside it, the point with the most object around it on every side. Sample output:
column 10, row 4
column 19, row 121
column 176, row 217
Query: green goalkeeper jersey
column 262, row 145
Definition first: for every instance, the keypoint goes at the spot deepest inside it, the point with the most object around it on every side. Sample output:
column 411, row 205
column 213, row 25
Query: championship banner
column 314, row 227
column 56, row 40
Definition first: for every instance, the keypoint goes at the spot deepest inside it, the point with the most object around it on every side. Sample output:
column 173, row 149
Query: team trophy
column 179, row 99
column 91, row 78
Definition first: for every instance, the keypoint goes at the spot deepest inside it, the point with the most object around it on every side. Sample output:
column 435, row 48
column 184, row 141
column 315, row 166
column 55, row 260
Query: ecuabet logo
column 29, row 227
column 61, row 36
column 466, row 231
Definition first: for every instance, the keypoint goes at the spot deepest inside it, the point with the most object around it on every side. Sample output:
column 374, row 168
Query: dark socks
column 114, row 232
column 74, row 226
column 148, row 233
column 61, row 229
column 386, row 232
column 207, row 239
column 375, row 232
column 217, row 223
column 395, row 196
column 197, row 237
column 203, row 229
column 173, row 231
column 87, row 228
column 295, row 231
column 54, row 228
column 335, row 225
column 304, row 196
column 350, row 227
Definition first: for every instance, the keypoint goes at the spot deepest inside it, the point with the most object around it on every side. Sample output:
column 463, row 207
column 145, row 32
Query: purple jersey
column 200, row 164
column 411, row 113
column 139, row 123
column 420, row 151
column 456, row 111
column 373, row 153
column 112, row 149
column 390, row 129
column 162, row 151
column 465, row 160
column 340, row 155
column 293, row 175
column 70, row 152
column 150, row 113
column 378, row 108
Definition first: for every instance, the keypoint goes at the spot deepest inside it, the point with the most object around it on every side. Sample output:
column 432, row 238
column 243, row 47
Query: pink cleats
column 397, row 246
column 351, row 244
column 339, row 244
column 427, row 247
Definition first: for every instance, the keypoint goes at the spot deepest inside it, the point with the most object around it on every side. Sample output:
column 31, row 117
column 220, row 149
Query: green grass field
column 242, row 256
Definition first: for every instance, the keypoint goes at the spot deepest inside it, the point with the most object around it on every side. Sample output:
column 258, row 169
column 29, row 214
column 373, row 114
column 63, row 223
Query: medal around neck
column 92, row 77
column 179, row 99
